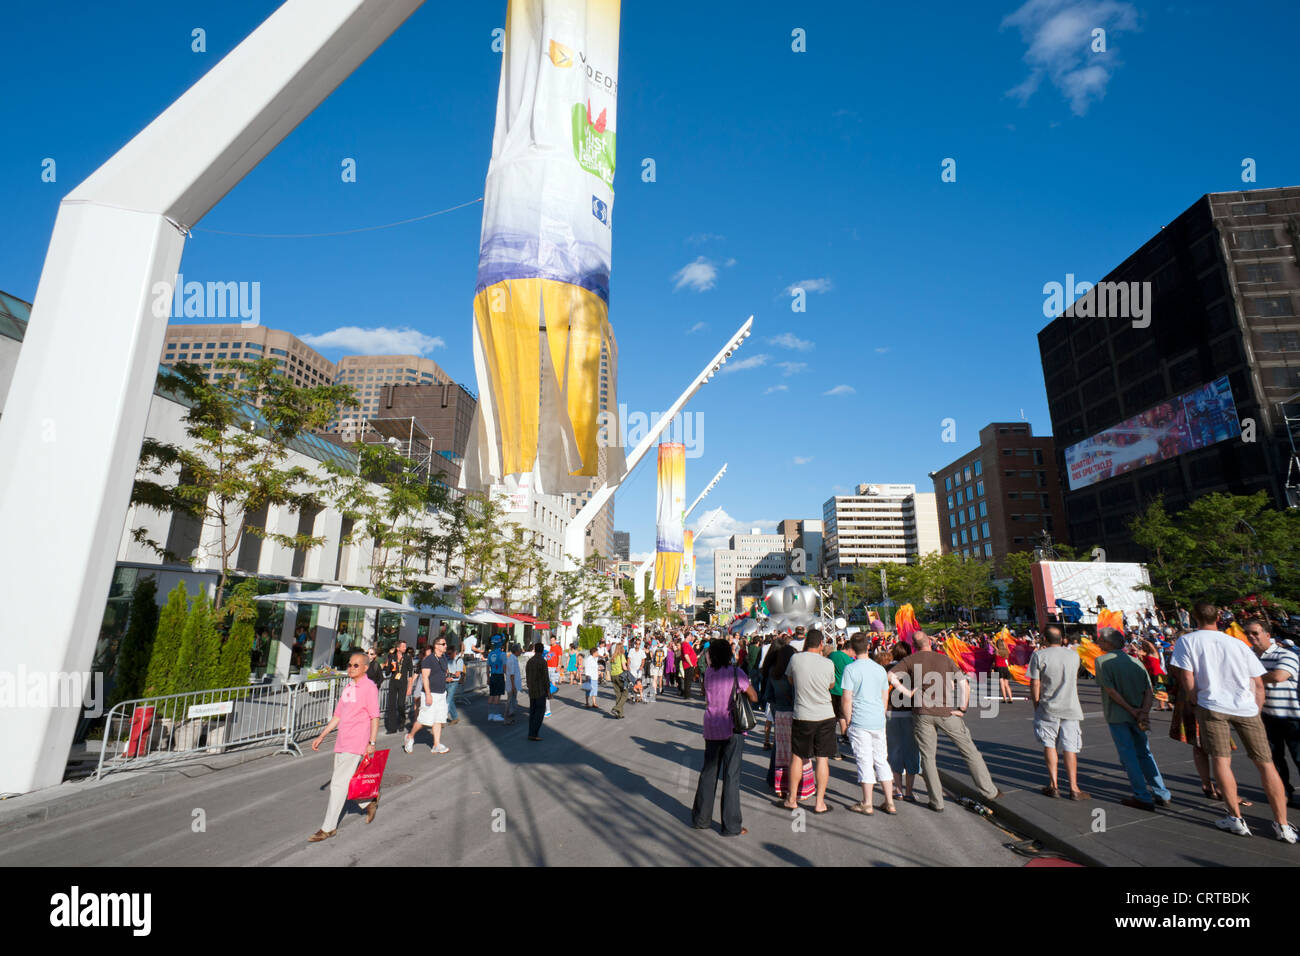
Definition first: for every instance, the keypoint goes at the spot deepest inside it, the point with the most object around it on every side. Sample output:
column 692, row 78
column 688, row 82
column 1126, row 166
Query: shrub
column 160, row 680
column 137, row 646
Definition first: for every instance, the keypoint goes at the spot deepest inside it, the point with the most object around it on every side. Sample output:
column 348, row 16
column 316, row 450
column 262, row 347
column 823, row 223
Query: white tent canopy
column 335, row 597
column 491, row 617
column 449, row 613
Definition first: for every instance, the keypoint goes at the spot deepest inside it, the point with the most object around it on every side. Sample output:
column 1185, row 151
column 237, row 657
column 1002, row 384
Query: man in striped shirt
column 1281, row 711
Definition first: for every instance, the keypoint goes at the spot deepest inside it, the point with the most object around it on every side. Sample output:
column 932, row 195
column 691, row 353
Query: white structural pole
column 78, row 403
column 576, row 533
column 648, row 563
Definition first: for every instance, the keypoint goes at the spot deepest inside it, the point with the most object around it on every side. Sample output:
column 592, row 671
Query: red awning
column 529, row 619
column 567, row 623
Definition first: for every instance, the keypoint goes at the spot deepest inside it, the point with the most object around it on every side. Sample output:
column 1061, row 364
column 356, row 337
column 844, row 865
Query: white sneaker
column 547, row 714
column 1233, row 825
column 1284, row 832
column 440, row 749
column 408, row 745
column 496, row 717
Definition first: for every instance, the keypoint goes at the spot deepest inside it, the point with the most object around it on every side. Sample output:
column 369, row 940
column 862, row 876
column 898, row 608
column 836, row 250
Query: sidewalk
column 1182, row 834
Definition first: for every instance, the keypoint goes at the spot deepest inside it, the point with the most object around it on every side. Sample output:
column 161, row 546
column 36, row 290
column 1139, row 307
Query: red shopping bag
column 365, row 782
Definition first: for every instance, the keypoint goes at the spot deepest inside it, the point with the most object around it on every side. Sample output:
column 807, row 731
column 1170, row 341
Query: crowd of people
column 881, row 699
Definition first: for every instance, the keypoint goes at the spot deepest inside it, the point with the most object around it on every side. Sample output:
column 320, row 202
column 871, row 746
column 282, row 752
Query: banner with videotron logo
column 541, row 302
column 686, row 580
column 670, row 516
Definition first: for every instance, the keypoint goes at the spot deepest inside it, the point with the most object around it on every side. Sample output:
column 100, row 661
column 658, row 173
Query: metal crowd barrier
column 155, row 730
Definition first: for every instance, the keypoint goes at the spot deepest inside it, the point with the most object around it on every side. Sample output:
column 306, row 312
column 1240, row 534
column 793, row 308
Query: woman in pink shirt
column 357, row 718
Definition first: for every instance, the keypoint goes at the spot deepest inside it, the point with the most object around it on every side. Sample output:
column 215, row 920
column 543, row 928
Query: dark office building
column 1169, row 408
column 446, row 412
column 622, row 545
column 1002, row 496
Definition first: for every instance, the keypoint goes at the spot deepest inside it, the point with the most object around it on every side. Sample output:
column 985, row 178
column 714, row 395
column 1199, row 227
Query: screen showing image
column 1195, row 419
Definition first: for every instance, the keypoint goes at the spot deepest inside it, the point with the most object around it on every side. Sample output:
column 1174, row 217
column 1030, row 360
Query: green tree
column 199, row 665
column 394, row 506
column 137, row 644
column 236, row 651
column 233, row 469
column 164, row 657
column 1170, row 552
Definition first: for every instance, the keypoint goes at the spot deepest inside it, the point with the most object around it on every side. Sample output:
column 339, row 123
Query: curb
column 41, row 806
column 1023, row 823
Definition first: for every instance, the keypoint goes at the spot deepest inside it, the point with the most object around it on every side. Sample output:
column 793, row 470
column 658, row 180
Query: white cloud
column 1059, row 35
column 380, row 341
column 697, row 327
column 802, row 461
column 718, row 536
column 754, row 361
column 697, row 238
column 882, row 349
column 791, row 341
column 791, row 368
column 638, row 557
column 700, row 275
column 776, row 388
column 841, row 390
column 809, row 285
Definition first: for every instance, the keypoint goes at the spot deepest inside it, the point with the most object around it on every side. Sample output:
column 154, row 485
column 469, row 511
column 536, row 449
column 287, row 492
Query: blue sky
column 773, row 168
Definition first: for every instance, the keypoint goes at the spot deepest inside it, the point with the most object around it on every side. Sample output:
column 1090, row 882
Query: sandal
column 861, row 808
column 891, row 810
column 1050, row 791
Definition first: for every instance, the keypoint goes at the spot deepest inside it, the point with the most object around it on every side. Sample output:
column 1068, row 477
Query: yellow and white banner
column 670, row 516
column 544, row 352
column 686, row 580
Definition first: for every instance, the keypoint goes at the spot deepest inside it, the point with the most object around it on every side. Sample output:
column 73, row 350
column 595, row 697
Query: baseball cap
column 496, row 640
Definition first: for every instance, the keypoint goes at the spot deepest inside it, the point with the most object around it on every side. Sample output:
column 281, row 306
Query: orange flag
column 1113, row 619
column 1089, row 651
column 1235, row 630
column 1019, row 673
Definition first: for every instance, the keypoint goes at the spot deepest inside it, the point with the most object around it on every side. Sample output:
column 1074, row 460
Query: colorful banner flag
column 905, row 624
column 544, row 351
column 686, row 580
column 670, row 516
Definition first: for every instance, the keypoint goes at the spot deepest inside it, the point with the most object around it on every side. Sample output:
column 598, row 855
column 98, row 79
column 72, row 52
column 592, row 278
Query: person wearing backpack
column 723, row 743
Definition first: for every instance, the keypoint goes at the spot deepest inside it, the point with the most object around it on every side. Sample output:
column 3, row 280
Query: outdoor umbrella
column 490, row 617
column 442, row 611
column 335, row 597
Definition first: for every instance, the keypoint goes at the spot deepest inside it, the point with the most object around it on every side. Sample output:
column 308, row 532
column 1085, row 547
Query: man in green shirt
column 841, row 658
column 1126, row 704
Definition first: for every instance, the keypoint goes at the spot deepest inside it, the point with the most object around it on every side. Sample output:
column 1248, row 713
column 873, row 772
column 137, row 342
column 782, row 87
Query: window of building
column 1255, row 239
column 956, row 477
column 954, row 539
column 1022, row 452
column 1007, row 453
column 1261, row 272
column 1038, row 456
column 947, row 484
column 1017, row 540
column 1015, row 517
column 185, row 345
column 208, row 355
column 1012, row 495
column 964, row 539
column 979, row 467
column 984, row 529
column 952, row 521
column 1280, row 341
column 979, row 488
column 988, row 549
column 211, row 345
column 950, row 502
column 279, row 352
column 1026, row 474
column 1273, row 306
column 966, row 474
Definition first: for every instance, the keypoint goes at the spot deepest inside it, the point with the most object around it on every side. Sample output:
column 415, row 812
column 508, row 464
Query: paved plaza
column 594, row 792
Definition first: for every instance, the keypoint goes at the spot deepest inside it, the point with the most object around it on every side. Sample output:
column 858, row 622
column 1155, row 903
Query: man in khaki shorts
column 1225, row 679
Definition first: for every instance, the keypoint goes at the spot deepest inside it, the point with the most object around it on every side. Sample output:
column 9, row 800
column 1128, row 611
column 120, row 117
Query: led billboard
column 1195, row 419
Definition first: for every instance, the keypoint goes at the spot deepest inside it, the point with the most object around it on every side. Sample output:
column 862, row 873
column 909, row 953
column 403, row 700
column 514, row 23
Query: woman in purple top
column 723, row 748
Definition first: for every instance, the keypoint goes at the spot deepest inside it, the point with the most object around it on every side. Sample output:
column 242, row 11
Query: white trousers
column 345, row 765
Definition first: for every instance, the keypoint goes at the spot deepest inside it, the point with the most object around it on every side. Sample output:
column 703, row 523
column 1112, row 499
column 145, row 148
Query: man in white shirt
column 514, row 681
column 1225, row 679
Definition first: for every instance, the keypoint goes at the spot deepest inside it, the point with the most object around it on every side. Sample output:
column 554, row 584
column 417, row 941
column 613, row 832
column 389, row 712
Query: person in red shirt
column 689, row 661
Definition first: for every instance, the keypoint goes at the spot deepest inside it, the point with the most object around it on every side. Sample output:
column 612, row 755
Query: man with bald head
column 940, row 696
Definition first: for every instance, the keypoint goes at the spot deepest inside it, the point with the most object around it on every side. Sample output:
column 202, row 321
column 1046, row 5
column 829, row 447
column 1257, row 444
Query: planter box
column 217, row 738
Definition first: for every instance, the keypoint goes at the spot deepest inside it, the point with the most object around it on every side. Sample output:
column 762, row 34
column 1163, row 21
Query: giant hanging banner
column 686, row 580
column 670, row 516
column 541, row 303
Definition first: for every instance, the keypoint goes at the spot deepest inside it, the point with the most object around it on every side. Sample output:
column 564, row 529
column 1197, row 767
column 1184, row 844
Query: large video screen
column 1195, row 419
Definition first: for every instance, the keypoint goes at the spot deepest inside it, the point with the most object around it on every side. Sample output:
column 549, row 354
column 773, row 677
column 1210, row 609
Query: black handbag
column 742, row 715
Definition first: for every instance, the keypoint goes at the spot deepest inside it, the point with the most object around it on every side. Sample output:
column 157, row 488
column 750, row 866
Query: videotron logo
column 561, row 55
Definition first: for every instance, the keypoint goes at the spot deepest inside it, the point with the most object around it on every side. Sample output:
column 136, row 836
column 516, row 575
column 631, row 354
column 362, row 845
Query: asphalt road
column 595, row 792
